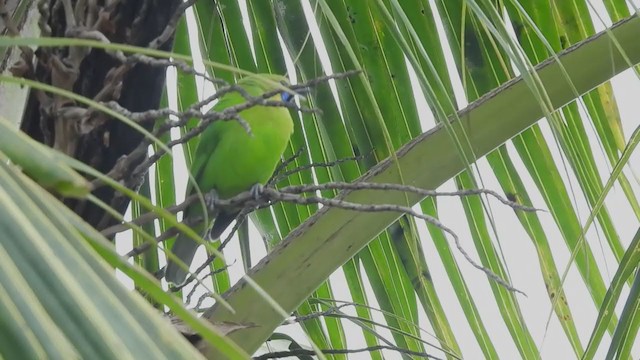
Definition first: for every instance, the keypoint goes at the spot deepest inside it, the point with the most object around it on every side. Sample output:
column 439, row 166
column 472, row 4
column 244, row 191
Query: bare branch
column 305, row 352
column 283, row 165
column 281, row 176
column 130, row 169
column 274, row 195
column 247, row 201
column 171, row 26
column 296, row 189
column 194, row 111
column 192, row 292
column 366, row 324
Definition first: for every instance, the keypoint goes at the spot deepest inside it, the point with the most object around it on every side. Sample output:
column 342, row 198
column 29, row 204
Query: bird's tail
column 222, row 222
column 184, row 248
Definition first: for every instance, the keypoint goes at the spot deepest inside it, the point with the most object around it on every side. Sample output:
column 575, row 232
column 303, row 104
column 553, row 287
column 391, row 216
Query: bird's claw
column 210, row 200
column 256, row 191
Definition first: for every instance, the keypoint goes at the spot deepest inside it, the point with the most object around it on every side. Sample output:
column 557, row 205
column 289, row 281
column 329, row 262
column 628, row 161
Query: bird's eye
column 286, row 97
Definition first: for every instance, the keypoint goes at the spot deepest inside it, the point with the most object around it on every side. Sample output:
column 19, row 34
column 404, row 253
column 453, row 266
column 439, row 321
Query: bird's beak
column 302, row 92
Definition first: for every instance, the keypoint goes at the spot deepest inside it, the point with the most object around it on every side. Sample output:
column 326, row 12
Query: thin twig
column 284, row 175
column 122, row 170
column 192, row 276
column 192, row 292
column 283, row 165
column 290, row 194
column 297, row 189
column 305, row 352
column 147, row 217
column 274, row 195
column 230, row 113
column 367, row 324
column 171, row 26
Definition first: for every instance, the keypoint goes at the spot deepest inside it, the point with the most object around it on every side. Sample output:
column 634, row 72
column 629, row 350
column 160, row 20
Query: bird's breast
column 251, row 158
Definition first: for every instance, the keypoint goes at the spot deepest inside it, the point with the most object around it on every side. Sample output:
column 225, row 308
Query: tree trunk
column 68, row 126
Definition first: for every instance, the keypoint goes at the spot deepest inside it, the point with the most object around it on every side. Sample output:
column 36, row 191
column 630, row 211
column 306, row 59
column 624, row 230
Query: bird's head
column 269, row 83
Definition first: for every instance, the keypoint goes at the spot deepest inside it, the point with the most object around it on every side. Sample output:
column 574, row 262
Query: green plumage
column 231, row 161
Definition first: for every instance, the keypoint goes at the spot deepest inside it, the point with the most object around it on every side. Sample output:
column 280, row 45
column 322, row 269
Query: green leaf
column 37, row 161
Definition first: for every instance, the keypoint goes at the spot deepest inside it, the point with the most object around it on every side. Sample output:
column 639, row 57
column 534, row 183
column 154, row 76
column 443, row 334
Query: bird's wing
column 209, row 140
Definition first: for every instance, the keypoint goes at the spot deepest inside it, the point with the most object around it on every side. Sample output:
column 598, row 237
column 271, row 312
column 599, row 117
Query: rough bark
column 90, row 136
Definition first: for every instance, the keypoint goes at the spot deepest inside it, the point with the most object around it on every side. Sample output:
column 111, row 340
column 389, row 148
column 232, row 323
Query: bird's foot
column 210, row 199
column 256, row 191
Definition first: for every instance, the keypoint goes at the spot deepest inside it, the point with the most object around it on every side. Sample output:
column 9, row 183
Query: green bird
column 230, row 161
